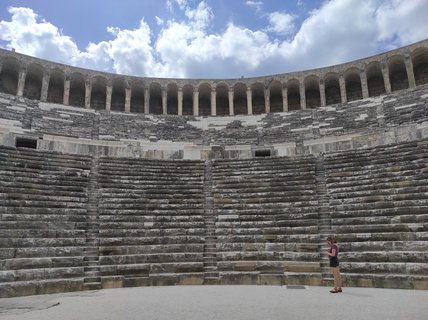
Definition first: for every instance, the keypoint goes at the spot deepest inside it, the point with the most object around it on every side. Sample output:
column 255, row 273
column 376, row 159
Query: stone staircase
column 324, row 221
column 210, row 256
column 92, row 280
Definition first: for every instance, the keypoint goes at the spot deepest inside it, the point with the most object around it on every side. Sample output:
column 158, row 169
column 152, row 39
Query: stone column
column 231, row 108
column 45, row 86
column 322, row 93
column 364, row 87
column 88, row 91
column 302, row 96
column 284, row 99
column 146, row 100
column 213, row 102
column 128, row 94
column 109, row 91
column 196, row 102
column 249, row 101
column 66, row 96
column 267, row 100
column 410, row 73
column 342, row 86
column 164, row 101
column 21, row 82
column 385, row 74
column 180, row 101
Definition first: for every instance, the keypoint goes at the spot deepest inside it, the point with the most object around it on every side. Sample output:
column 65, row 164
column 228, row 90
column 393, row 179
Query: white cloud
column 338, row 31
column 255, row 4
column 281, row 23
column 159, row 21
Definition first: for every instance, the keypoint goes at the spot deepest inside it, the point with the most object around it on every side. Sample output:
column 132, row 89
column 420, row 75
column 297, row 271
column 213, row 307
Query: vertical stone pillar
column 342, row 86
column 410, row 74
column 196, row 102
column 66, row 96
column 231, row 107
column 213, row 102
column 45, row 86
column 88, row 91
column 164, row 101
column 302, row 96
column 249, row 101
column 285, row 99
column 322, row 93
column 364, row 87
column 21, row 82
column 180, row 101
column 146, row 100
column 267, row 100
column 109, row 91
column 385, row 74
column 128, row 94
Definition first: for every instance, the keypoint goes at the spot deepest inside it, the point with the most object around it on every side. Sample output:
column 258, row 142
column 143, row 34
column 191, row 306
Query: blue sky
column 211, row 38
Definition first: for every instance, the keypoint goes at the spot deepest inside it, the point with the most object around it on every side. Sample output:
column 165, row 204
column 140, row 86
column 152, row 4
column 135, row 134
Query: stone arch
column 77, row 90
column 275, row 99
column 258, row 98
column 293, row 94
column 155, row 104
column 420, row 65
column 240, row 99
column 312, row 92
column 9, row 75
column 353, row 84
column 98, row 93
column 137, row 97
column 33, row 81
column 222, row 99
column 188, row 99
column 56, row 86
column 172, row 99
column 397, row 73
column 204, row 99
column 118, row 95
column 375, row 83
column 332, row 89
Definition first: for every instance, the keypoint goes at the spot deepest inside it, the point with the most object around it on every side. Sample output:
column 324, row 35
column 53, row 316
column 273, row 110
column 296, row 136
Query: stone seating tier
column 132, row 222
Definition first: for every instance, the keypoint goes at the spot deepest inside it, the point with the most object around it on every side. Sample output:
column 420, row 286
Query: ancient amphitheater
column 115, row 181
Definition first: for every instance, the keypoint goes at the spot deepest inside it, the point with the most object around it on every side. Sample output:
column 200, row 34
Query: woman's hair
column 331, row 239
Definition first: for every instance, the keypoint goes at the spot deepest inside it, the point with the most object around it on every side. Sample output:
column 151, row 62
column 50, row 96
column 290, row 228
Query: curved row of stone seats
column 43, row 220
column 267, row 227
column 151, row 216
column 379, row 212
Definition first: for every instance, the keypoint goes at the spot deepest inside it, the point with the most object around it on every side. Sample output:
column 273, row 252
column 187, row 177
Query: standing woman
column 333, row 254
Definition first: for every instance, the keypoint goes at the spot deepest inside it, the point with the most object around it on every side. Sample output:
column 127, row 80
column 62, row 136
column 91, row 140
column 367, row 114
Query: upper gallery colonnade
column 46, row 81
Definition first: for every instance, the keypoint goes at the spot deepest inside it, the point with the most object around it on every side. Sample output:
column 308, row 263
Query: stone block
column 301, row 266
column 191, row 279
column 239, row 278
column 271, row 279
column 111, row 282
column 245, row 266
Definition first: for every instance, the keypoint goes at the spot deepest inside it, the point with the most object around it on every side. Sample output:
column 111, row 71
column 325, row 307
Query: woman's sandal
column 334, row 291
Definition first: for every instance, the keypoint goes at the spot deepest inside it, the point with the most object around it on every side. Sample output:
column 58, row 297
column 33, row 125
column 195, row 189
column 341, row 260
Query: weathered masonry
column 46, row 81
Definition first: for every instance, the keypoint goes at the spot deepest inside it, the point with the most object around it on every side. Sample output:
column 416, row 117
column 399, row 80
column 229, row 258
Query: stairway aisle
column 92, row 280
column 324, row 221
column 210, row 257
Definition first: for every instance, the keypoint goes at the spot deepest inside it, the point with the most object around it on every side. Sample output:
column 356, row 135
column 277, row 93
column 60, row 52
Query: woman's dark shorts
column 334, row 262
